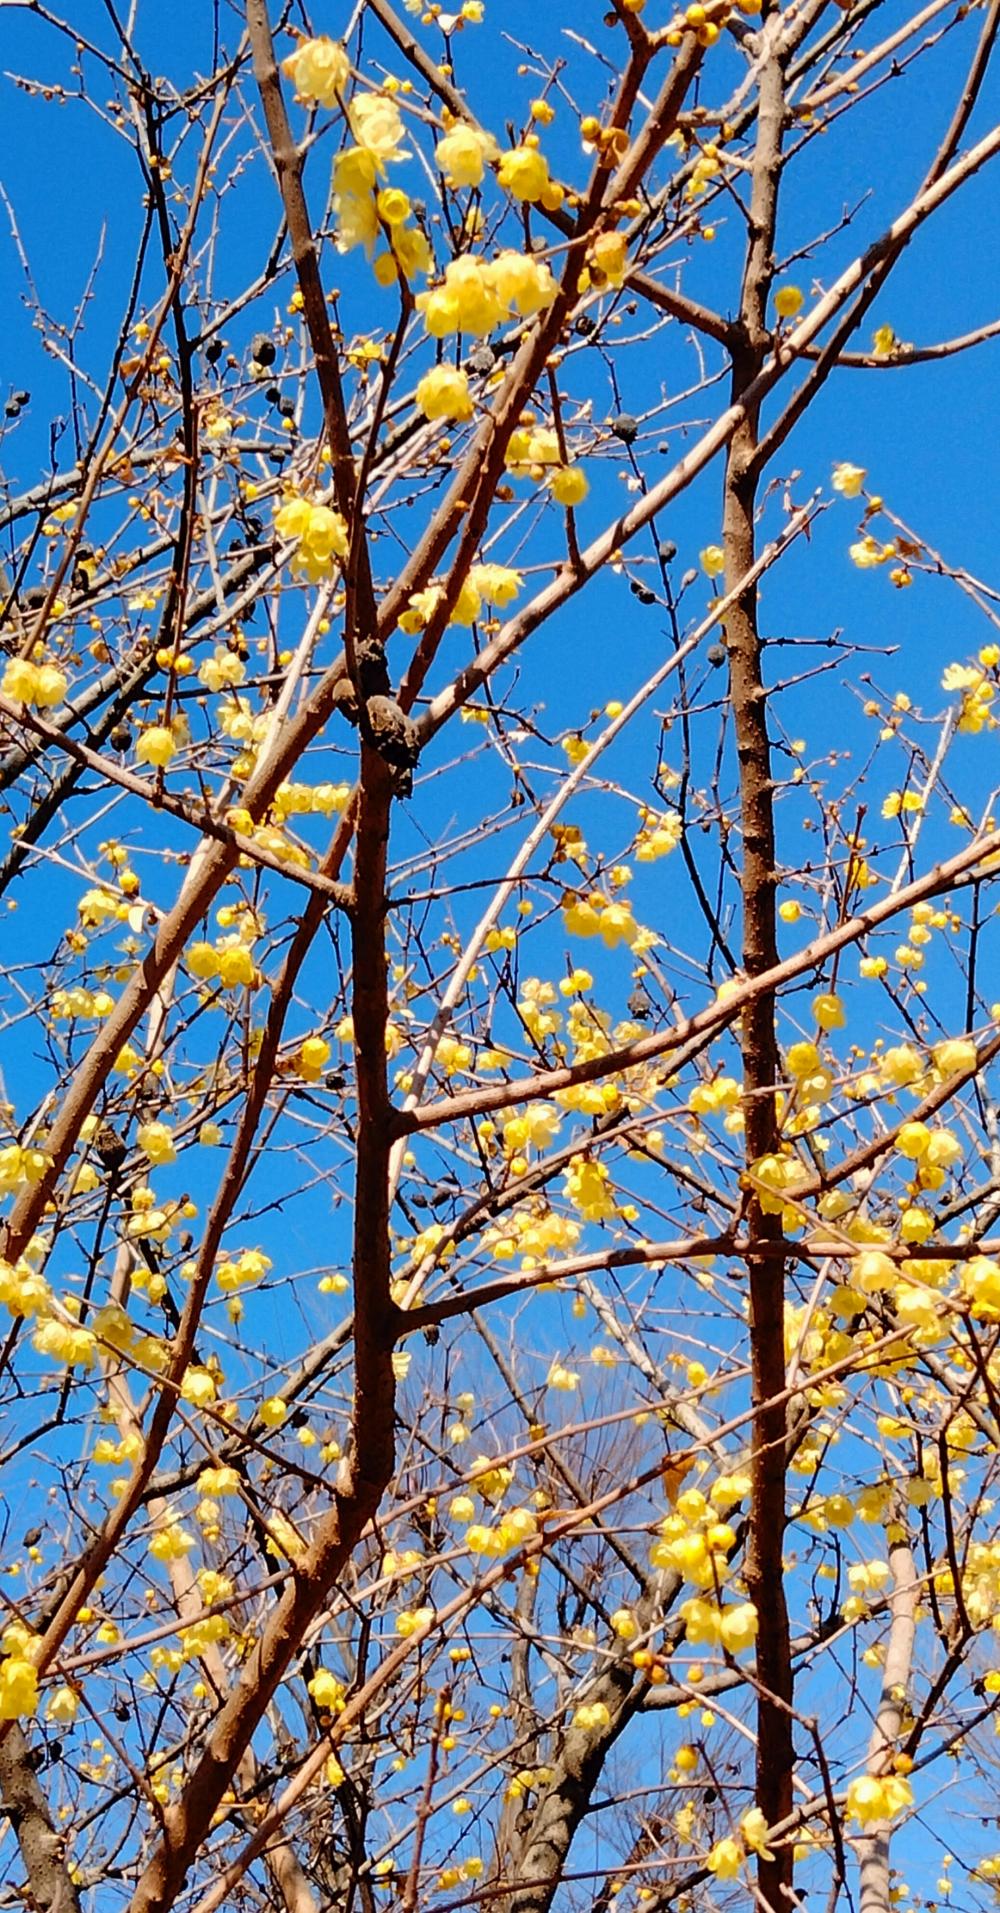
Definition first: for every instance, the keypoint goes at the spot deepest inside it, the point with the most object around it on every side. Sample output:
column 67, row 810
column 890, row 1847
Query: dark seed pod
column 584, row 325
column 646, row 597
column 716, row 654
column 120, row 738
column 110, row 1148
column 263, row 348
column 214, row 350
column 625, row 427
column 667, row 551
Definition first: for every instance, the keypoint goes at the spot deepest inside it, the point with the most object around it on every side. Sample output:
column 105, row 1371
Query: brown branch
column 763, row 1570
column 43, row 1850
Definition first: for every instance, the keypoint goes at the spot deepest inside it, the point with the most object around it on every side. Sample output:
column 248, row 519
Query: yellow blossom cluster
column 43, row 685
column 596, row 915
column 535, row 1233
column 318, row 70
column 978, row 686
column 78, row 1002
column 303, row 800
column 239, row 1273
column 694, row 1542
column 589, row 1189
column 476, row 294
column 660, row 834
column 878, row 1797
column 486, row 583
column 319, row 534
column 229, row 961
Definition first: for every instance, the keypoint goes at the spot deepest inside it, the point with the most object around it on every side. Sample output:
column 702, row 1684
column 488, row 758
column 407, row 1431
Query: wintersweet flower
column 712, row 560
column 377, row 126
column 157, row 1142
column 524, row 173
column 878, row 1797
column 18, row 1688
column 465, row 301
column 726, row 1859
column 464, row 153
column 318, row 70
column 828, row 1009
column 609, row 255
column 569, row 486
column 62, row 1706
column 788, row 300
column 592, row 1716
column 522, row 284
column 320, row 536
column 41, row 684
column 156, row 746
column 443, row 392
column 848, row 479
column 327, row 1691
column 499, row 584
column 314, row 1055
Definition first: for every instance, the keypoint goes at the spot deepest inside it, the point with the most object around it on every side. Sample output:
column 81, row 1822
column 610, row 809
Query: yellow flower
column 44, row 685
column 318, row 70
column 157, row 1142
column 326, row 1690
column 522, row 284
column 848, row 479
column 198, row 1387
column 377, row 126
column 712, row 560
column 590, row 1717
column 569, row 485
column 873, row 1797
column 464, row 153
column 725, row 1859
column 62, row 1706
column 18, row 1687
column 320, row 536
column 156, row 746
column 829, row 1011
column 524, row 172
column 609, row 253
column 954, row 1057
column 788, row 300
column 443, row 392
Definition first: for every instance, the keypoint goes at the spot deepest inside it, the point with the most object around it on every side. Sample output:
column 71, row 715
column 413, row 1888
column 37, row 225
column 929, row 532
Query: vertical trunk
column 760, row 1055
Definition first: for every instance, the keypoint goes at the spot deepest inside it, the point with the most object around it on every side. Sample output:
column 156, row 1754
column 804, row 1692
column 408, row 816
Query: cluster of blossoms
column 535, row 1233
column 534, row 451
column 43, row 685
column 878, row 1797
column 660, row 833
column 319, row 534
column 610, row 919
column 476, row 294
column 978, row 686
column 486, row 583
column 241, row 1272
